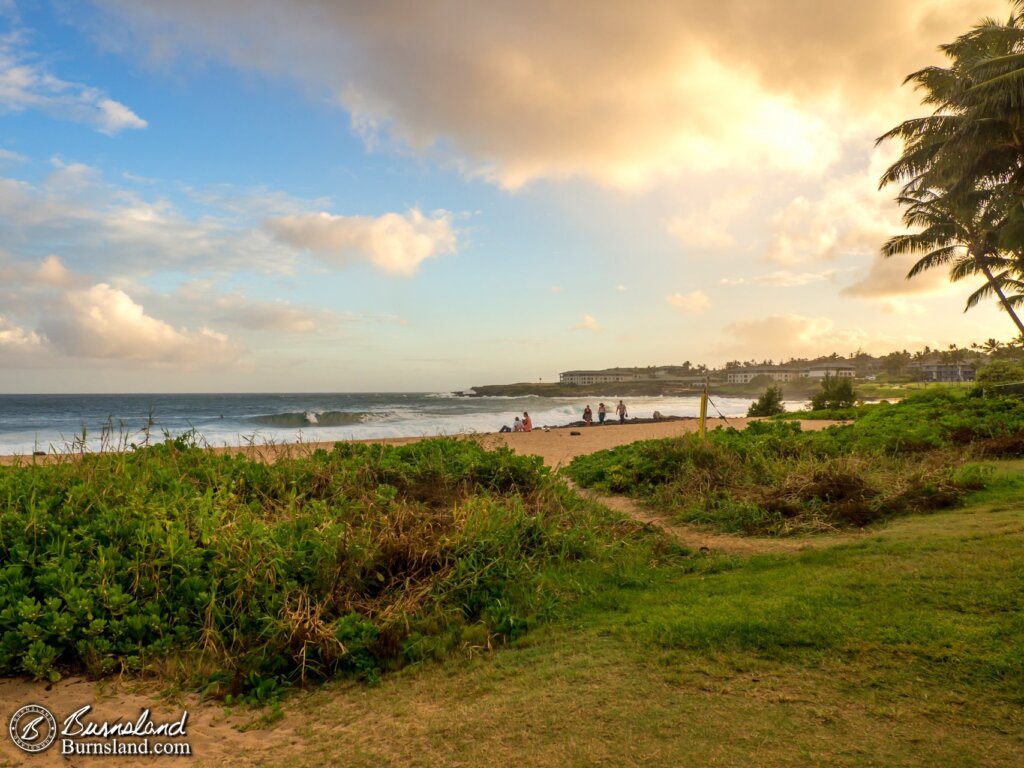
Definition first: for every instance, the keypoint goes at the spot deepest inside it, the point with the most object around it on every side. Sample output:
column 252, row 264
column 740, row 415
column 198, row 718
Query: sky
column 257, row 196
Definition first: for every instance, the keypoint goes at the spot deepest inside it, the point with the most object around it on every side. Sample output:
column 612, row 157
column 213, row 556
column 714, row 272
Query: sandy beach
column 557, row 446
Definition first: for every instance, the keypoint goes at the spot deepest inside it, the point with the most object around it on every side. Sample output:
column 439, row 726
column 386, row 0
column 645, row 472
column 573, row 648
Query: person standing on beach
column 588, row 415
column 621, row 410
column 527, row 422
column 601, row 413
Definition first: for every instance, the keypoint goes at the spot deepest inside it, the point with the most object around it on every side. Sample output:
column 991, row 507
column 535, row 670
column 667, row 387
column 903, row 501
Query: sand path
column 696, row 538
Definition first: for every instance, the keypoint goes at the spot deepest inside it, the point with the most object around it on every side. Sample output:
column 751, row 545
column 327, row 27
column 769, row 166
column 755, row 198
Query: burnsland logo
column 34, row 728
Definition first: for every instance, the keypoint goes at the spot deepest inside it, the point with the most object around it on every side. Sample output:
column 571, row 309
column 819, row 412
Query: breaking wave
column 306, row 419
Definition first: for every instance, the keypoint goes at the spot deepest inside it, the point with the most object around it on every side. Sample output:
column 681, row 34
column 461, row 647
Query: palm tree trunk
column 1002, row 297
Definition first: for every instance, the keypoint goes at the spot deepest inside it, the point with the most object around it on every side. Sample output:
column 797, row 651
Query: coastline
column 557, row 446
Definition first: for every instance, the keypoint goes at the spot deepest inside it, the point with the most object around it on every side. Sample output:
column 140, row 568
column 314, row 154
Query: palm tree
column 988, row 346
column 962, row 167
column 975, row 137
column 963, row 238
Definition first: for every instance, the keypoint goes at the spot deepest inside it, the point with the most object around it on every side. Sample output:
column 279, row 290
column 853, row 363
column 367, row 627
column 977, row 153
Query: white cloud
column 11, row 157
column 623, row 96
column 790, row 336
column 692, row 303
column 52, row 271
column 783, row 278
column 848, row 216
column 100, row 226
column 12, row 335
column 698, row 232
column 254, row 314
column 26, row 84
column 393, row 243
column 900, row 307
column 587, row 323
column 888, row 277
column 115, row 117
column 104, row 322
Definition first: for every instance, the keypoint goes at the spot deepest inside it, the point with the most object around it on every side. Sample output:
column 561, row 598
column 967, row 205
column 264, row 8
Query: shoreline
column 557, row 446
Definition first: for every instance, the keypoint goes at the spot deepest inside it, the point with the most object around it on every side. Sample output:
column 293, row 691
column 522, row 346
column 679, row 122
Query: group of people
column 602, row 413
column 524, row 424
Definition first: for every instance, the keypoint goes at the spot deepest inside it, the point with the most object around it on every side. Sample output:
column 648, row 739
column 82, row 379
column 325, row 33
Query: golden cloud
column 621, row 94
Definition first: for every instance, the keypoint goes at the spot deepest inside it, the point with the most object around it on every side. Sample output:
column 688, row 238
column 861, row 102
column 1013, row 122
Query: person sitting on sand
column 601, row 413
column 527, row 422
column 517, row 426
column 588, row 415
column 621, row 410
column 504, row 428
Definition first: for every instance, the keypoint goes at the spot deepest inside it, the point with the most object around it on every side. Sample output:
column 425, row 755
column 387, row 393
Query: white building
column 831, row 370
column 596, row 377
column 775, row 373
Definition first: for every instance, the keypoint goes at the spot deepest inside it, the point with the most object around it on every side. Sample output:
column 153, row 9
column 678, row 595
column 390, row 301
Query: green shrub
column 768, row 404
column 774, row 478
column 258, row 575
column 1001, row 372
column 836, row 393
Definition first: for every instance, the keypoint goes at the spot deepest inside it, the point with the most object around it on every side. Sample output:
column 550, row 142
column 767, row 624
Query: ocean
column 68, row 422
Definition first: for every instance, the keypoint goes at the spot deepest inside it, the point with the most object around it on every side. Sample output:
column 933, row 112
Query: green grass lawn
column 905, row 648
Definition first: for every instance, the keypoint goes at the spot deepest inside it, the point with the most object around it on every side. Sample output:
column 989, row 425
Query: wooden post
column 704, row 410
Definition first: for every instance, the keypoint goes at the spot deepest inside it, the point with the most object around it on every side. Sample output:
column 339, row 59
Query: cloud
column 393, row 243
column 13, row 336
column 783, row 278
column 10, row 157
column 848, row 216
column 104, row 322
column 790, row 336
column 106, row 227
column 102, row 226
column 698, row 232
column 26, row 84
column 52, row 272
column 692, row 303
column 255, row 314
column 888, row 277
column 587, row 323
column 901, row 308
column 621, row 96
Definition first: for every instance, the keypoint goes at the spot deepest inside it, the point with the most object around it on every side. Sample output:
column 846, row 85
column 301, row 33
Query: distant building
column 787, row 373
column 829, row 370
column 774, row 372
column 947, row 372
column 597, row 377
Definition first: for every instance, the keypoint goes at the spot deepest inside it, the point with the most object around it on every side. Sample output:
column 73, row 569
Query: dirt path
column 697, row 538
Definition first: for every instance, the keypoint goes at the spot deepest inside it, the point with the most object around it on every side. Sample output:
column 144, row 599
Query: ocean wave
column 305, row 419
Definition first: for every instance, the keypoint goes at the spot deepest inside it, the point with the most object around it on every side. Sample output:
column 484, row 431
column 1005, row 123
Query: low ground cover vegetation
column 774, row 478
column 248, row 576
